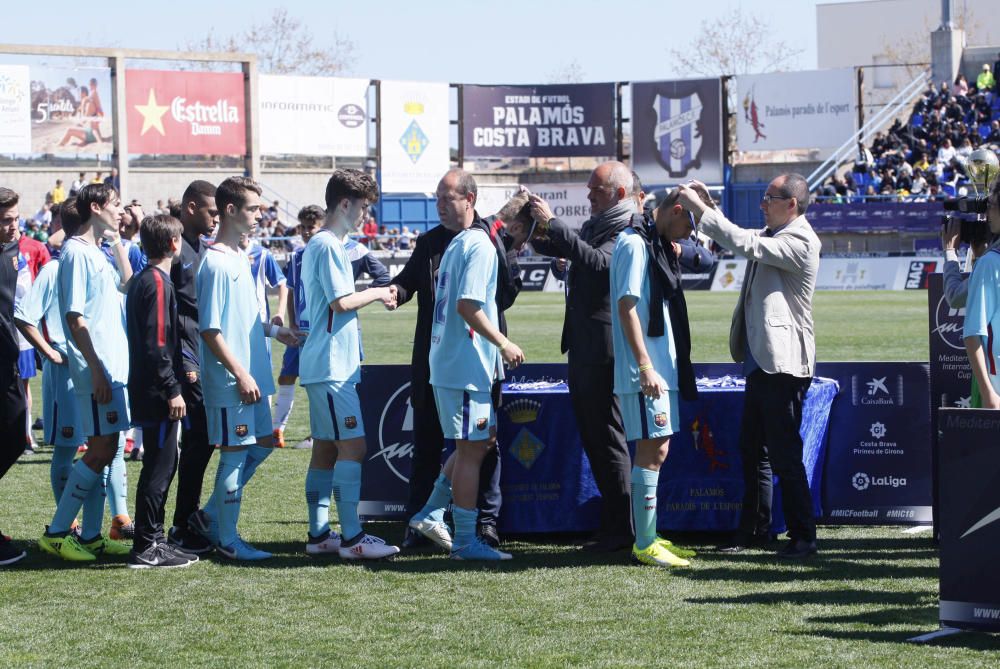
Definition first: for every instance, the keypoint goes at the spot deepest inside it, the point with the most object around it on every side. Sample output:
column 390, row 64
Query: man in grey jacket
column 772, row 335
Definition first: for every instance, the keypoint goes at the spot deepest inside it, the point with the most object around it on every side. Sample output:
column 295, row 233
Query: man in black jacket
column 198, row 217
column 12, row 405
column 419, row 275
column 586, row 338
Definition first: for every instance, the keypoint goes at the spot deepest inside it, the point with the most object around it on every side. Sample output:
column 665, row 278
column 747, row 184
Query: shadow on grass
column 918, row 619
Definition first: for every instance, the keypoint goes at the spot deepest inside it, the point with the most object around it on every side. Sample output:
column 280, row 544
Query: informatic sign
column 185, row 113
column 562, row 120
column 313, row 116
column 968, row 469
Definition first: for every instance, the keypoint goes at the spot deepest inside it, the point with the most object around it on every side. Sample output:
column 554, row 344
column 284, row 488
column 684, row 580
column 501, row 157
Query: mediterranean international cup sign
column 538, row 121
column 677, row 131
column 71, row 111
column 185, row 113
column 796, row 110
column 313, row 116
column 415, row 132
column 15, row 106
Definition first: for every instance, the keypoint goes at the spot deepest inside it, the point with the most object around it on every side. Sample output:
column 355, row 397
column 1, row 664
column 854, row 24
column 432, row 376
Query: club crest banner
column 796, row 110
column 313, row 116
column 564, row 120
column 185, row 113
column 415, row 130
column 677, row 131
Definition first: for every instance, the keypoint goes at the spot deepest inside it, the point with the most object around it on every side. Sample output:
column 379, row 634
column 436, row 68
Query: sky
column 472, row 41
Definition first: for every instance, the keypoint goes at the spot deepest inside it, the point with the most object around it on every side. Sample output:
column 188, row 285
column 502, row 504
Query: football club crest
column 112, row 417
column 677, row 134
column 414, row 141
column 67, row 432
column 351, row 422
column 481, row 424
column 526, row 448
column 242, row 430
column 660, row 420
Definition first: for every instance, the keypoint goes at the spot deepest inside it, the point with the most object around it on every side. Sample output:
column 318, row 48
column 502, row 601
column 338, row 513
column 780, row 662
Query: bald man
column 586, row 338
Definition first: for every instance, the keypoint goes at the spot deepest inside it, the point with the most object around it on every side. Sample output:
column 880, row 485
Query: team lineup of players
column 196, row 325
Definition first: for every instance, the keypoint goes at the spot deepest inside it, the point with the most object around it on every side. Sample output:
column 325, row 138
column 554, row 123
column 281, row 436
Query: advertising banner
column 15, row 109
column 415, row 131
column 677, row 131
column 878, row 468
column 561, row 120
column 969, row 467
column 71, row 110
column 796, row 110
column 185, row 113
column 859, row 274
column 867, row 217
column 313, row 116
column 729, row 274
column 568, row 202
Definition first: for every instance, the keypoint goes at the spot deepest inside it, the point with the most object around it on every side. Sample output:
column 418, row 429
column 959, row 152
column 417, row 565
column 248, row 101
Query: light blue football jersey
column 227, row 301
column 459, row 357
column 982, row 311
column 630, row 277
column 332, row 351
column 40, row 306
column 88, row 285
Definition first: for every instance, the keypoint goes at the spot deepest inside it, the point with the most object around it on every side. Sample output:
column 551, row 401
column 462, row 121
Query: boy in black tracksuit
column 154, row 389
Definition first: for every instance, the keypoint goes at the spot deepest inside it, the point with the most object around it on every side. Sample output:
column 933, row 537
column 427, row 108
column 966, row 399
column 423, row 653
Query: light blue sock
column 229, row 494
column 319, row 485
column 465, row 525
column 256, row 454
column 93, row 508
column 62, row 466
column 644, row 505
column 118, row 481
column 82, row 479
column 347, row 492
column 439, row 500
column 211, row 506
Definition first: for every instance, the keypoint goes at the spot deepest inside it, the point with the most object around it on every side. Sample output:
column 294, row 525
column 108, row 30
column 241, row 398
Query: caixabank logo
column 877, row 390
column 862, row 481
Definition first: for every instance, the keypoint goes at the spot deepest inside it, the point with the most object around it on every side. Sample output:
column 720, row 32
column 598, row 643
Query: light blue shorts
column 335, row 411
column 59, row 412
column 98, row 420
column 239, row 425
column 465, row 414
column 646, row 418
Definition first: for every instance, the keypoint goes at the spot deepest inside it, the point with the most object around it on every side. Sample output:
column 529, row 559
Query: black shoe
column 188, row 541
column 798, row 549
column 488, row 535
column 159, row 556
column 37, row 425
column 607, row 544
column 741, row 541
column 9, row 553
column 180, row 552
column 413, row 539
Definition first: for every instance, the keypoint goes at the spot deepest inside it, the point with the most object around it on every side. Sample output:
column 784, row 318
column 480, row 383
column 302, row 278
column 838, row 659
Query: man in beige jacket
column 772, row 335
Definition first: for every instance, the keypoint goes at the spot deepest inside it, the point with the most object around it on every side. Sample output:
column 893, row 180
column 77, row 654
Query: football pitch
column 853, row 605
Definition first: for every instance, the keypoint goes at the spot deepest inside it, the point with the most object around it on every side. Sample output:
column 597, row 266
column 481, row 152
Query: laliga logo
column 395, row 432
column 948, row 325
column 862, row 481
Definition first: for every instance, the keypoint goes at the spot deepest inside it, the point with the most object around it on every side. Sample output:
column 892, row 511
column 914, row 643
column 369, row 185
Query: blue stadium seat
column 984, row 131
column 917, row 120
column 948, row 190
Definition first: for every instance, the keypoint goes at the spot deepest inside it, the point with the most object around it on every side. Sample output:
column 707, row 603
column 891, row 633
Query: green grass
column 854, row 605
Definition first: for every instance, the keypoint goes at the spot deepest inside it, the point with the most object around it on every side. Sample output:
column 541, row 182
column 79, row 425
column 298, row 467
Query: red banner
column 185, row 113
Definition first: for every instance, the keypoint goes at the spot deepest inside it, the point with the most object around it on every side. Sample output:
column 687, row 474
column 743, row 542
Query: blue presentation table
column 547, row 483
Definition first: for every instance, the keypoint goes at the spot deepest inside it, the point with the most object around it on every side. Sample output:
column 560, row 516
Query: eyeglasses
column 768, row 198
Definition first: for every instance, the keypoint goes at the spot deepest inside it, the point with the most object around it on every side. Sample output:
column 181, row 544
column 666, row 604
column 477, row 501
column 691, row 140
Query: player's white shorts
column 98, row 420
column 239, row 425
column 59, row 410
column 646, row 418
column 465, row 414
column 335, row 410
